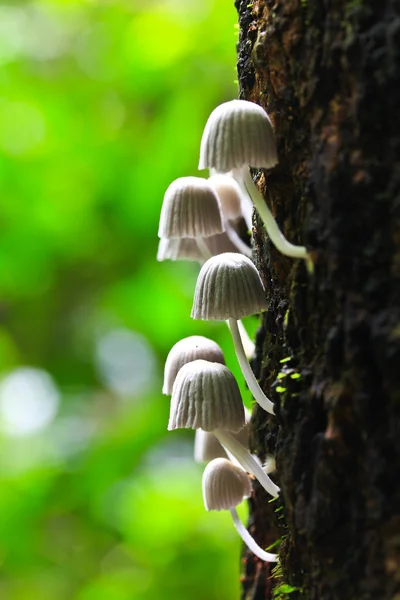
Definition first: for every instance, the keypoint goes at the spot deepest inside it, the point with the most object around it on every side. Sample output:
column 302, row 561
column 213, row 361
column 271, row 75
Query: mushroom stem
column 275, row 234
column 236, row 241
column 246, row 204
column 248, row 374
column 248, row 462
column 249, row 540
column 248, row 344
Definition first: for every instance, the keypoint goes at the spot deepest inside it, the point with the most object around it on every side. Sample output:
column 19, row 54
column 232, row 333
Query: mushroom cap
column 224, row 485
column 191, row 208
column 179, row 249
column 228, row 286
column 229, row 193
column 188, row 350
column 206, row 395
column 238, row 133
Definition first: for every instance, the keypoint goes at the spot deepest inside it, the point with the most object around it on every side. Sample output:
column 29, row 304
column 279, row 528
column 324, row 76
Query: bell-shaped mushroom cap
column 228, row 287
column 191, row 209
column 238, row 133
column 179, row 249
column 229, row 193
column 187, row 350
column 224, row 485
column 206, row 395
column 207, row 447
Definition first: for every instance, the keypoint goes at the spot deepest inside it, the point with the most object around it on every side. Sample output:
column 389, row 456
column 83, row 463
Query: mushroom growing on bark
column 187, row 350
column 228, row 288
column 239, row 135
column 192, row 209
column 206, row 395
column 224, row 487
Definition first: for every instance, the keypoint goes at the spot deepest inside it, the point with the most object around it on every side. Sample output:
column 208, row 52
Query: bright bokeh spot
column 29, row 401
column 126, row 362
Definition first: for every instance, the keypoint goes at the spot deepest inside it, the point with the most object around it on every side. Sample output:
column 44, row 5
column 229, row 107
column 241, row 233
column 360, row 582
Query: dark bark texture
column 327, row 72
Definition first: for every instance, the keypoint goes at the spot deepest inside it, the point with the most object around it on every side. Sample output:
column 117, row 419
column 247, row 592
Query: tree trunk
column 328, row 351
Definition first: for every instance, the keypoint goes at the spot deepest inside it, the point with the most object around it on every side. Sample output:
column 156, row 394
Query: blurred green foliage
column 102, row 106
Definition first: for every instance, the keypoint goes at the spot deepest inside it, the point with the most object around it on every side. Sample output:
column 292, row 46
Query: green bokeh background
column 102, row 105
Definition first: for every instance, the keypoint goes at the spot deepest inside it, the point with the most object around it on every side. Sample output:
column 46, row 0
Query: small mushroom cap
column 238, row 133
column 191, row 208
column 179, row 249
column 188, row 350
column 206, row 395
column 229, row 193
column 224, row 485
column 228, row 286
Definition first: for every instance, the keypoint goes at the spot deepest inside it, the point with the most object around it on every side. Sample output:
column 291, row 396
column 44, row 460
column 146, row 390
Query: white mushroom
column 192, row 209
column 228, row 288
column 187, row 350
column 224, row 487
column 239, row 135
column 206, row 395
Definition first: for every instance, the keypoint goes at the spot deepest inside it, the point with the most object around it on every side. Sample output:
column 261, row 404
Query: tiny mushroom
column 192, row 209
column 224, row 487
column 206, row 395
column 187, row 350
column 239, row 135
column 229, row 287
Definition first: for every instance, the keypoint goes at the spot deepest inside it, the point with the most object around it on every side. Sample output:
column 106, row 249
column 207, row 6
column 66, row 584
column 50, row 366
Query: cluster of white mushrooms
column 197, row 222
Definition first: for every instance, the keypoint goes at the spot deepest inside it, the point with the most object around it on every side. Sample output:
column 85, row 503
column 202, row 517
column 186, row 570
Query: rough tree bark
column 327, row 72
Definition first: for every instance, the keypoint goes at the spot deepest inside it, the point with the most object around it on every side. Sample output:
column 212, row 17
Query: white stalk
column 236, row 240
column 245, row 201
column 274, row 233
column 250, row 541
column 247, row 461
column 248, row 374
column 248, row 344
